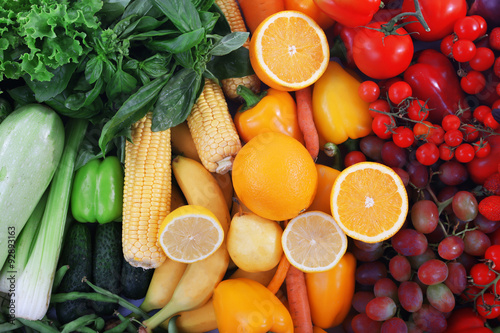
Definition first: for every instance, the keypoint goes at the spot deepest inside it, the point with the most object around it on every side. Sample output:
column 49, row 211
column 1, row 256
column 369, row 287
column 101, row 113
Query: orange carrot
column 279, row 276
column 306, row 122
column 255, row 11
column 298, row 301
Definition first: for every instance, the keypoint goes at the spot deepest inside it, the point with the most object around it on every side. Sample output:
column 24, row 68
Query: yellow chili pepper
column 339, row 112
column 272, row 110
column 244, row 305
column 330, row 293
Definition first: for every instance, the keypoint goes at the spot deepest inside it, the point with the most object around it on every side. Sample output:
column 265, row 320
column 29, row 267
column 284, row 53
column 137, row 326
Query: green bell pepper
column 97, row 194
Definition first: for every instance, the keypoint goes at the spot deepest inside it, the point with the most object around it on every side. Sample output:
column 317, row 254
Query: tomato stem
column 391, row 26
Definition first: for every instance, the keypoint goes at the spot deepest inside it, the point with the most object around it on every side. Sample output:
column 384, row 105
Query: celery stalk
column 17, row 259
column 31, row 297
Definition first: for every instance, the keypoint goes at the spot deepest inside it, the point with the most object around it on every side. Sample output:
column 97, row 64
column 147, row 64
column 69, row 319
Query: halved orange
column 369, row 201
column 313, row 242
column 190, row 233
column 289, row 51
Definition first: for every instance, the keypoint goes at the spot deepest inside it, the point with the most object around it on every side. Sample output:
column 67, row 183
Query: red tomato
column 482, row 167
column 380, row 56
column 440, row 16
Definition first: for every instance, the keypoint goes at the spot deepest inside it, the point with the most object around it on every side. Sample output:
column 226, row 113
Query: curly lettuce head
column 37, row 36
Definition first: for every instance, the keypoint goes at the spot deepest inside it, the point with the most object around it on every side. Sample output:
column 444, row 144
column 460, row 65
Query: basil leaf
column 45, row 90
column 143, row 24
column 182, row 13
column 222, row 26
column 138, row 7
column 156, row 65
column 132, row 110
column 157, row 33
column 176, row 99
column 208, row 20
column 234, row 64
column 111, row 10
column 123, row 24
column 82, row 99
column 93, row 69
column 121, row 83
column 58, row 104
column 180, row 43
column 185, row 59
column 229, row 43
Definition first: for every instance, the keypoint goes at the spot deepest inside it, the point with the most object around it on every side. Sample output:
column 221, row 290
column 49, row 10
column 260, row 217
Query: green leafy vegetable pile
column 112, row 62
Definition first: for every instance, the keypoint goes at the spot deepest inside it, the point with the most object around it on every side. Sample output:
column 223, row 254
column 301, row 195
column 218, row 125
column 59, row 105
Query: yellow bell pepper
column 330, row 293
column 244, row 305
column 339, row 112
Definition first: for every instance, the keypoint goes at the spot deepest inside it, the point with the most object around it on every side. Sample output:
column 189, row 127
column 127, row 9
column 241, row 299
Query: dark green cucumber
column 107, row 263
column 135, row 280
column 77, row 253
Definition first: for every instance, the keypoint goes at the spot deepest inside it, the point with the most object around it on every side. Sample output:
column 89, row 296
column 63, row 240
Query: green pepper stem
column 250, row 98
column 332, row 150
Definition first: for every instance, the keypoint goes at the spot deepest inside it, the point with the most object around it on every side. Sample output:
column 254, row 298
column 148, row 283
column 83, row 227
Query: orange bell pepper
column 272, row 110
column 339, row 112
column 244, row 305
column 326, row 178
column 330, row 293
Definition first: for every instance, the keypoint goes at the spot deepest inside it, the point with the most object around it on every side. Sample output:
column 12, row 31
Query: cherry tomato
column 403, row 137
column 453, row 137
column 446, row 45
column 381, row 126
column 399, row 91
column 353, row 157
column 482, row 148
column 445, row 152
column 481, row 274
column 480, row 112
column 493, row 253
column 483, row 25
column 450, row 122
column 463, row 50
column 470, row 132
column 369, row 91
column 490, row 122
column 427, row 154
column 437, row 135
column 473, row 83
column 483, row 59
column 418, row 110
column 487, row 306
column 464, row 153
column 381, row 105
column 423, row 130
column 380, row 56
column 467, row 28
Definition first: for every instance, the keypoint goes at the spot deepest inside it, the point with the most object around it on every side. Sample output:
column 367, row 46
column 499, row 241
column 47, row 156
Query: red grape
column 451, row 247
column 418, row 260
column 368, row 273
column 400, row 268
column 440, row 297
column 371, row 146
column 476, row 242
column 410, row 296
column 464, row 206
column 381, row 308
column 457, row 277
column 430, row 319
column 361, row 323
column 360, row 299
column 424, row 216
column 393, row 156
column 394, row 325
column 432, row 272
column 409, row 242
column 386, row 287
column 453, row 173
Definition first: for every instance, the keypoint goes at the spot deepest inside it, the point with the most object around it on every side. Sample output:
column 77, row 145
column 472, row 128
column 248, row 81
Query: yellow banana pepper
column 339, row 112
column 330, row 293
column 244, row 305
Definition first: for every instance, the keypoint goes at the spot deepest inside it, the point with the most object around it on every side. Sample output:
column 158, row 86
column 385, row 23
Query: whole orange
column 274, row 176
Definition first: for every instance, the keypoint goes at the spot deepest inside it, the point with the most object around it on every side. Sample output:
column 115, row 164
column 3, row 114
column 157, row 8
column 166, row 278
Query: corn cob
column 213, row 130
column 146, row 193
column 232, row 13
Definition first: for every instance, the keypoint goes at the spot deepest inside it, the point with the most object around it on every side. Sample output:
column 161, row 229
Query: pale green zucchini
column 31, row 144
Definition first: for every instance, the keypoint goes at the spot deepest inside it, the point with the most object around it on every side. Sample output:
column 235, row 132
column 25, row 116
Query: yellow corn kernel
column 146, row 193
column 232, row 13
column 213, row 131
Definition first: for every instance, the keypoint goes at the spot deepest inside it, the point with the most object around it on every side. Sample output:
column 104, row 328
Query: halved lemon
column 369, row 201
column 190, row 233
column 313, row 242
column 289, row 51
